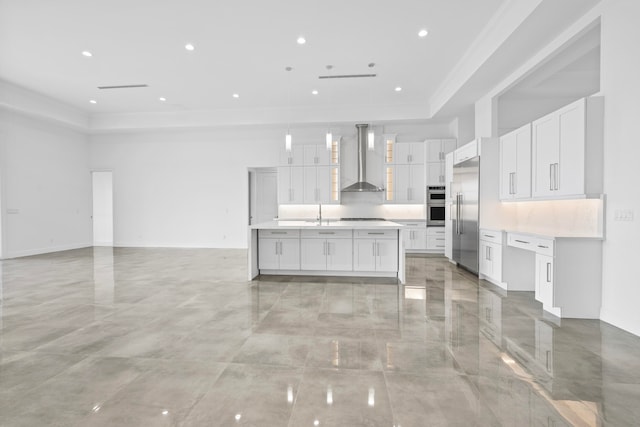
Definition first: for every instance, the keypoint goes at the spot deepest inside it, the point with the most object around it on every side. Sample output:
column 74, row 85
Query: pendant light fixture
column 329, row 136
column 371, row 136
column 287, row 137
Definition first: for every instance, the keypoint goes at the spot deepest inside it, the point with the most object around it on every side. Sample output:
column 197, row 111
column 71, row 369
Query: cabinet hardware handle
column 377, row 249
column 489, row 235
column 522, row 241
column 556, row 175
column 548, row 272
column 515, row 183
column 324, row 248
column 489, row 249
column 551, row 177
column 278, row 232
column 289, row 160
column 372, row 232
column 373, row 248
column 326, row 232
column 548, row 359
column 544, row 247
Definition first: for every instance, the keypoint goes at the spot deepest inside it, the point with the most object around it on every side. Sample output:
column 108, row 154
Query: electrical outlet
column 623, row 215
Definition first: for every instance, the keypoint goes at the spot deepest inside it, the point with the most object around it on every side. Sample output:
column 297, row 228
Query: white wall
column 190, row 189
column 46, row 186
column 621, row 89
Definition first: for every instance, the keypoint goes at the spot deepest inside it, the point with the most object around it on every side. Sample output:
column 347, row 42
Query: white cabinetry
column 490, row 262
column 407, row 184
column 295, row 157
column 515, row 164
column 567, row 151
column 316, row 155
column 320, row 184
column 568, row 273
column 414, row 235
column 437, row 149
column 279, row 249
column 375, row 250
column 435, row 239
column 326, row 250
column 290, row 185
column 409, row 153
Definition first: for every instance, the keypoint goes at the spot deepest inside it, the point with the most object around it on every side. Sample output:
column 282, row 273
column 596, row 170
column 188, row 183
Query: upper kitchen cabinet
column 319, row 155
column 405, row 184
column 321, row 184
column 290, row 185
column 407, row 153
column 567, row 151
column 515, row 164
column 436, row 151
column 294, row 157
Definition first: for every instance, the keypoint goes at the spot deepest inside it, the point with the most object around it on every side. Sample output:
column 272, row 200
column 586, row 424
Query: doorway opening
column 102, row 185
column 263, row 195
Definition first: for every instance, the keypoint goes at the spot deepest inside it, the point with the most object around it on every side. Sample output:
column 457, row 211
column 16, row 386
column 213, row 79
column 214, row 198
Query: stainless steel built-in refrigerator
column 465, row 213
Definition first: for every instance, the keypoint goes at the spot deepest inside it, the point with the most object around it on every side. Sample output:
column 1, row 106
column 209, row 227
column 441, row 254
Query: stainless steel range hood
column 362, row 185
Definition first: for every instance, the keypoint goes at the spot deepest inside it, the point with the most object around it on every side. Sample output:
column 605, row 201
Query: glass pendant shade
column 329, row 140
column 371, row 137
column 287, row 141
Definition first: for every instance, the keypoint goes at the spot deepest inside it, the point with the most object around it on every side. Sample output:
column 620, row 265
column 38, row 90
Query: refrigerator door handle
column 460, row 230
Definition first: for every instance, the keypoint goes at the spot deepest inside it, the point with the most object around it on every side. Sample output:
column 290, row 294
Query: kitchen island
column 327, row 248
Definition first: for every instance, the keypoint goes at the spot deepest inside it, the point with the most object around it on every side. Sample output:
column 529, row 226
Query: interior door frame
column 113, row 205
column 252, row 184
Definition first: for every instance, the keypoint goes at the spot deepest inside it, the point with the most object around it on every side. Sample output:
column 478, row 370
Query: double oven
column 435, row 205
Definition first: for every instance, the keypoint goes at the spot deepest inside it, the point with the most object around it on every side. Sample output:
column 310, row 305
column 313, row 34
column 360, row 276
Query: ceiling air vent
column 122, row 87
column 346, row 76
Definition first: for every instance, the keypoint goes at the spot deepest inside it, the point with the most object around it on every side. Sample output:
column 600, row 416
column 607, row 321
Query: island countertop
column 327, row 224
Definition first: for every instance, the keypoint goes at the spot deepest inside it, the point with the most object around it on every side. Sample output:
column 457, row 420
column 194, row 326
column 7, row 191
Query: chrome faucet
column 320, row 212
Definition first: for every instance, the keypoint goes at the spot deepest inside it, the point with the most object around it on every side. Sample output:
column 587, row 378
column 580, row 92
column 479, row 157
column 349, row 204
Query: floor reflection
column 134, row 337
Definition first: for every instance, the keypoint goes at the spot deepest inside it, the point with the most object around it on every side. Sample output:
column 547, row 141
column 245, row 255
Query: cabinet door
column 402, row 153
column 417, row 153
column 386, row 255
column 268, row 254
column 284, row 185
column 435, row 175
column 448, row 176
column 324, row 184
column 309, row 155
column 293, row 157
column 434, row 150
column 364, row 253
column 485, row 265
column 545, row 155
column 323, row 155
column 544, row 280
column 522, row 179
column 289, row 254
column 340, row 254
column 402, row 183
column 416, row 184
column 448, row 235
column 570, row 169
column 508, row 161
column 297, row 184
column 310, row 192
column 313, row 254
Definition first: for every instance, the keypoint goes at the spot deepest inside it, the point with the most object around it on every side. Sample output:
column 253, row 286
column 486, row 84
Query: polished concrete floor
column 161, row 337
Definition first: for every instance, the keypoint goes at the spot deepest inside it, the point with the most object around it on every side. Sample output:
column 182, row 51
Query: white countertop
column 548, row 235
column 327, row 224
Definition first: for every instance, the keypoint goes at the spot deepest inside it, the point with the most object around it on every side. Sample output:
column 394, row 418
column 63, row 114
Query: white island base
column 327, row 248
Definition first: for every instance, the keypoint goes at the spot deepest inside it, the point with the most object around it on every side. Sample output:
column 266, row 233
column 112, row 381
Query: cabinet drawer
column 465, row 152
column 435, row 242
column 376, row 234
column 522, row 241
column 280, row 234
column 544, row 246
column 492, row 236
column 414, row 224
column 435, row 231
column 326, row 234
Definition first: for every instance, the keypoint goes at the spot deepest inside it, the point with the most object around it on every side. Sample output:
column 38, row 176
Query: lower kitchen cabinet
column 490, row 262
column 326, row 250
column 414, row 235
column 375, row 250
column 544, row 280
column 435, row 239
column 279, row 253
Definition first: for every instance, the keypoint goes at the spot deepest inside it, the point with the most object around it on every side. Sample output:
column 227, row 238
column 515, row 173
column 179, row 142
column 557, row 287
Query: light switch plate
column 623, row 215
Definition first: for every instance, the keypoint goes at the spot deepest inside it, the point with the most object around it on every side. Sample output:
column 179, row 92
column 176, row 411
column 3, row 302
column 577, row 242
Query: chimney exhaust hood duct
column 362, row 185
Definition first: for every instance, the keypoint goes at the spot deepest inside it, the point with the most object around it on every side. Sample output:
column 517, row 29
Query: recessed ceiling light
column 423, row 33
column 301, row 40
column 315, row 92
column 398, row 89
column 93, row 101
column 87, row 53
column 162, row 98
column 189, row 46
column 235, row 95
column 165, row 412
